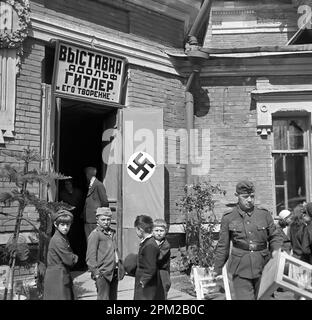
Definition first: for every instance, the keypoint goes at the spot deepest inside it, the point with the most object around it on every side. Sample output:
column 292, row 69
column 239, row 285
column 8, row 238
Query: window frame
column 306, row 151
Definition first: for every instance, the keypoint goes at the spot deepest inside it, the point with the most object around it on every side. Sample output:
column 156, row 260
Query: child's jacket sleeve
column 149, row 268
column 65, row 252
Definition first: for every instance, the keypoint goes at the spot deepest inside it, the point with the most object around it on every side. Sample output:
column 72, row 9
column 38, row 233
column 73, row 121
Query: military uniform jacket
column 246, row 229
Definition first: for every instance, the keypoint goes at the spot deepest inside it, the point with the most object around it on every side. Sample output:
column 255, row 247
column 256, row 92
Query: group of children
column 150, row 266
column 152, row 263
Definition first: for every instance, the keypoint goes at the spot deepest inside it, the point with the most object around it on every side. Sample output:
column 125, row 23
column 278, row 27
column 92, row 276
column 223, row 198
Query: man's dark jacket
column 96, row 197
column 255, row 228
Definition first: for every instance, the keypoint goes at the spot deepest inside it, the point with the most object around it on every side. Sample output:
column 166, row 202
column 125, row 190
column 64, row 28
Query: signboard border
column 80, row 98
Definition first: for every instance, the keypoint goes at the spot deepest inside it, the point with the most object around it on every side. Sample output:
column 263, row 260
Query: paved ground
column 84, row 288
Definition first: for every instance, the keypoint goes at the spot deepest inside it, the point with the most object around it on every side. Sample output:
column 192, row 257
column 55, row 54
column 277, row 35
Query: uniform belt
column 250, row 246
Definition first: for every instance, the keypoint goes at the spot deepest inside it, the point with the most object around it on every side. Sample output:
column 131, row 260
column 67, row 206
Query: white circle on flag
column 141, row 166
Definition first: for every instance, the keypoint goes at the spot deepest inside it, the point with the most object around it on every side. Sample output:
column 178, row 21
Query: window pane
column 295, row 180
column 280, row 200
column 280, row 134
column 279, row 172
column 296, row 134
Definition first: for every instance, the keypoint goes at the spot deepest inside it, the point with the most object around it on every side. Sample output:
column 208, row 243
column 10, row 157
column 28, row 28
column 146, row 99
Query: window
column 290, row 154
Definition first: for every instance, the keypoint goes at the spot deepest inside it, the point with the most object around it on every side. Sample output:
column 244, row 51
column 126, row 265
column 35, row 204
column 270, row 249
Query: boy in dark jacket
column 159, row 232
column 147, row 281
column 58, row 284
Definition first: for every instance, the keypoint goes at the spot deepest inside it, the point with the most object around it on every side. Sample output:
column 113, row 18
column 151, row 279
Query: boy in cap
column 58, row 284
column 253, row 234
column 160, row 230
column 103, row 257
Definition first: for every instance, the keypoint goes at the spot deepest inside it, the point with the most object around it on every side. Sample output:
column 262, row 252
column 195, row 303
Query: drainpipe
column 196, row 57
column 189, row 113
column 199, row 21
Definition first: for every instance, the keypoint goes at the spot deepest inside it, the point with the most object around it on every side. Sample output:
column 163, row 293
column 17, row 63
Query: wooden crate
column 205, row 284
column 285, row 271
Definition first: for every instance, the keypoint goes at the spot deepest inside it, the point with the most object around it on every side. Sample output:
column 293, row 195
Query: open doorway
column 81, row 129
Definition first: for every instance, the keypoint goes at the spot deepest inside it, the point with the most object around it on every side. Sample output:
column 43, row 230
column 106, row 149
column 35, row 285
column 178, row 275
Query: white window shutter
column 8, row 70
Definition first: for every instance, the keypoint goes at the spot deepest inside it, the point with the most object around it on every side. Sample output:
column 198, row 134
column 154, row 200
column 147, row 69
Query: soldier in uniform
column 253, row 235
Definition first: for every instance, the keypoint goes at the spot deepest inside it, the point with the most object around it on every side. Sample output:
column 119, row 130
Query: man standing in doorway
column 96, row 197
column 253, row 235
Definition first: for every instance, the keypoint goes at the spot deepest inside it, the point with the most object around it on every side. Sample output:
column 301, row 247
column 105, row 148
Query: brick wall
column 117, row 15
column 238, row 152
column 250, row 40
column 149, row 89
column 27, row 124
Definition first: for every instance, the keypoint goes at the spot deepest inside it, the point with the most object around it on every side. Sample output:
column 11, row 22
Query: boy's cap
column 245, row 187
column 60, row 213
column 284, row 214
column 105, row 211
column 130, row 263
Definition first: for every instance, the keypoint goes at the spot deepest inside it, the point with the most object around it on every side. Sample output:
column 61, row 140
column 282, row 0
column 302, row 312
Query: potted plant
column 200, row 222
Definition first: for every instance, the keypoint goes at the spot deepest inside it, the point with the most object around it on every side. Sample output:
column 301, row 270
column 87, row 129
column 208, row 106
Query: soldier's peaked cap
column 245, row 187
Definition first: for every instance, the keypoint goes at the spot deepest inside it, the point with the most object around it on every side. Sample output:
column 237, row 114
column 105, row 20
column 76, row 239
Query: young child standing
column 285, row 217
column 103, row 256
column 58, row 284
column 160, row 231
column 147, row 281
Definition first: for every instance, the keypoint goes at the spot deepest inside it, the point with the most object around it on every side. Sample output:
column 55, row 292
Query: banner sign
column 88, row 74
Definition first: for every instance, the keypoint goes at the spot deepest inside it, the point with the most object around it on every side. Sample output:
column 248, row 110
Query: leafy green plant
column 17, row 248
column 197, row 205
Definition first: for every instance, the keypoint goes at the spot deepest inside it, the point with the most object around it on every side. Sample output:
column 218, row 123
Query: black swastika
column 141, row 166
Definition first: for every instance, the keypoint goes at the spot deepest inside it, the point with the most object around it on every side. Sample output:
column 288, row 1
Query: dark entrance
column 81, row 129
